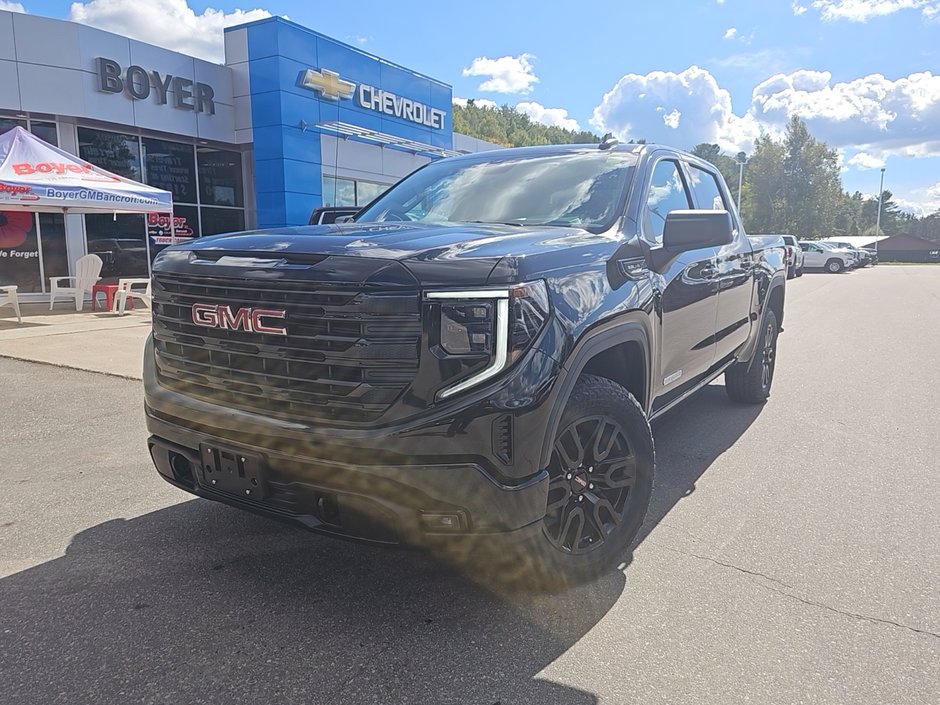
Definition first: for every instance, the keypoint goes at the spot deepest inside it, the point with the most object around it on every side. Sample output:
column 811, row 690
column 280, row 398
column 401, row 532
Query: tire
column 834, row 266
column 596, row 504
column 799, row 272
column 791, row 272
column 750, row 382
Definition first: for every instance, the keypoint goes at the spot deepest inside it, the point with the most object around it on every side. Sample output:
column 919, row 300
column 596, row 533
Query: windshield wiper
column 495, row 222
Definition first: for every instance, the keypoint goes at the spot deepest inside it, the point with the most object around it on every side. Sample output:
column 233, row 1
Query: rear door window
column 705, row 188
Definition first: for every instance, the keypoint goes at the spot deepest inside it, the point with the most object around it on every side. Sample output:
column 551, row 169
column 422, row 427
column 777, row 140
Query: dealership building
column 292, row 120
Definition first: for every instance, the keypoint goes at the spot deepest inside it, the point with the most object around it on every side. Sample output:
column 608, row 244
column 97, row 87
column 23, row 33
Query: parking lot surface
column 791, row 553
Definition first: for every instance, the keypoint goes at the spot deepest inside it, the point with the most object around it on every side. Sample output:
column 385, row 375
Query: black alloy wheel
column 592, row 472
column 749, row 381
column 600, row 481
column 768, row 356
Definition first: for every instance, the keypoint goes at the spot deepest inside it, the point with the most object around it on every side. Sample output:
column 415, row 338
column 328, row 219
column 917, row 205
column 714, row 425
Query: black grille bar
column 349, row 351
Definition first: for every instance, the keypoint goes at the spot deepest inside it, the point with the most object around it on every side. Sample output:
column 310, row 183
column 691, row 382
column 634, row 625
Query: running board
column 705, row 380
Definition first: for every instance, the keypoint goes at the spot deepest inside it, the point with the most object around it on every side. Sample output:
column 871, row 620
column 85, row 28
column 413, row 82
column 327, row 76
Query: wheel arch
column 772, row 300
column 621, row 352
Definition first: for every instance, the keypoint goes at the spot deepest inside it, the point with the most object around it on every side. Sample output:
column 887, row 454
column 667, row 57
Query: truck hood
column 399, row 241
column 458, row 253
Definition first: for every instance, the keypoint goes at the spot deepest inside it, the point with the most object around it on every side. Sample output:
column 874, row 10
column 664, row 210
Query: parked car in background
column 795, row 256
column 327, row 215
column 855, row 259
column 873, row 253
column 864, row 258
column 816, row 255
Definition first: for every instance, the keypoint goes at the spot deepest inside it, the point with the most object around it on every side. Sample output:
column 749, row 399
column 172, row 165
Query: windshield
column 582, row 189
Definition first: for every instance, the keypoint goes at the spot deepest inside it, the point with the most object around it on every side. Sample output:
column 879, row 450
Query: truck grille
column 349, row 352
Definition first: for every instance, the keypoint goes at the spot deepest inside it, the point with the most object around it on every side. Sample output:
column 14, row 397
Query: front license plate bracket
column 231, row 470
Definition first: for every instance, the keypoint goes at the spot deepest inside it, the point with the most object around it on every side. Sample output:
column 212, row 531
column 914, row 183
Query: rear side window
column 667, row 193
column 707, row 192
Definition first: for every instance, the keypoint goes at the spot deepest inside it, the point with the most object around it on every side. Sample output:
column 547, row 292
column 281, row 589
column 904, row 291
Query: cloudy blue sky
column 864, row 74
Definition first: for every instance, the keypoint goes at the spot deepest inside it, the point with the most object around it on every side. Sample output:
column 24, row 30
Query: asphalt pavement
column 791, row 555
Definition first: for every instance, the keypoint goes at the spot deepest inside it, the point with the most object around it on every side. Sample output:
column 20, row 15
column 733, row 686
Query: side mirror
column 344, row 219
column 690, row 230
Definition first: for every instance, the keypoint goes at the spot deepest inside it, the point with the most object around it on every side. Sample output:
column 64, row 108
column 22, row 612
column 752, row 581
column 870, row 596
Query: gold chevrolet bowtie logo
column 328, row 84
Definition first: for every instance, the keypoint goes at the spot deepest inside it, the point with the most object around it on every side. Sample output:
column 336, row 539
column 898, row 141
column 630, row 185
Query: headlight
column 498, row 323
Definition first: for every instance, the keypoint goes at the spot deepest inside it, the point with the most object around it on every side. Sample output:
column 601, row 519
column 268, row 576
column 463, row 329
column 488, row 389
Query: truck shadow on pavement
column 201, row 603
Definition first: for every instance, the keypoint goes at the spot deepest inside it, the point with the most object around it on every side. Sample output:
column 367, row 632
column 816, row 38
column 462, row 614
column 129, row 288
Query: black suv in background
column 473, row 361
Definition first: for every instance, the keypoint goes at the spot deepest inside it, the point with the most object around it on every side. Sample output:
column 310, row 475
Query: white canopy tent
column 35, row 176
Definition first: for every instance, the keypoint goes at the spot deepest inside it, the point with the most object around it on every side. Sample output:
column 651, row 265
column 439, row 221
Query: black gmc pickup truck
column 476, row 357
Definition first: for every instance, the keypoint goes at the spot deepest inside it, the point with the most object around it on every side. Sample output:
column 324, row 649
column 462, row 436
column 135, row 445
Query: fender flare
column 597, row 341
column 747, row 353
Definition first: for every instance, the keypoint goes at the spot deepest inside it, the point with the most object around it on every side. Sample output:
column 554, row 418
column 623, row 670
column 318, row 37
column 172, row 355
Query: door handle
column 709, row 271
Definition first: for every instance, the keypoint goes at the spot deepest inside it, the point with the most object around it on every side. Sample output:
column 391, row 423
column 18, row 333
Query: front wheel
column 750, row 382
column 834, row 266
column 600, row 482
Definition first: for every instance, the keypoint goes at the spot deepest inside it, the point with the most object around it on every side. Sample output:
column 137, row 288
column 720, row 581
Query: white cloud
column 899, row 117
column 479, row 102
column 730, row 32
column 872, row 114
column 864, row 10
column 864, row 160
column 507, row 74
column 650, row 107
column 168, row 23
column 553, row 117
column 799, row 9
column 12, row 6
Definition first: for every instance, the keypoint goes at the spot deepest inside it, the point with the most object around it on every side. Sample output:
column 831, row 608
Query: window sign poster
column 19, row 252
column 162, row 235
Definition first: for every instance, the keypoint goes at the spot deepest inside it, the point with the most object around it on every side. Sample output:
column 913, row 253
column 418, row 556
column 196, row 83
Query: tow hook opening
column 182, row 469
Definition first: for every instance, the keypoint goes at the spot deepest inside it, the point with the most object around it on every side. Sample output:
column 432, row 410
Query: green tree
column 812, row 184
column 508, row 127
column 793, row 186
column 728, row 166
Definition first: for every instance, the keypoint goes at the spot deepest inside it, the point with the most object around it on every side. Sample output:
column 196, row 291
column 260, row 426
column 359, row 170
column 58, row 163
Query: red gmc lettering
column 206, row 315
column 246, row 319
column 238, row 321
column 260, row 327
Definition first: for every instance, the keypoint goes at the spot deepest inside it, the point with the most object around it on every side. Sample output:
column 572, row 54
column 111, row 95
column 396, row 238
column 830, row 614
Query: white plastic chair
column 126, row 290
column 87, row 269
column 8, row 298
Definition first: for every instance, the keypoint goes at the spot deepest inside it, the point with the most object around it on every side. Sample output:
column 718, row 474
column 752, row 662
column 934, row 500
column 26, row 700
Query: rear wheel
column 600, row 481
column 799, row 272
column 834, row 266
column 750, row 382
column 791, row 272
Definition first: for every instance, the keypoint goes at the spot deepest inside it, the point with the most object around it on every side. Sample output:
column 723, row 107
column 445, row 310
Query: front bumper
column 392, row 486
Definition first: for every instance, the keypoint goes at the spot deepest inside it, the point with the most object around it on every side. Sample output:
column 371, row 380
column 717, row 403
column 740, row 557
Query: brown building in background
column 908, row 248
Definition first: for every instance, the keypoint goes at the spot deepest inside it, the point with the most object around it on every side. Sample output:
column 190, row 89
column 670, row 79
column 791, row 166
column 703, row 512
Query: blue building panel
column 263, row 40
column 344, row 84
column 298, row 206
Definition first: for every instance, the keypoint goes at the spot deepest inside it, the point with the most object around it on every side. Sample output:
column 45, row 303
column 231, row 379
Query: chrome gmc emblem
column 246, row 319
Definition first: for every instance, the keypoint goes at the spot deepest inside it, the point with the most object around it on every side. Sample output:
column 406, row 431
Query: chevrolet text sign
column 330, row 86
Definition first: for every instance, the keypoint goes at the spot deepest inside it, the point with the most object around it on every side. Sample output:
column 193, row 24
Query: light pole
column 742, row 158
column 881, row 190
